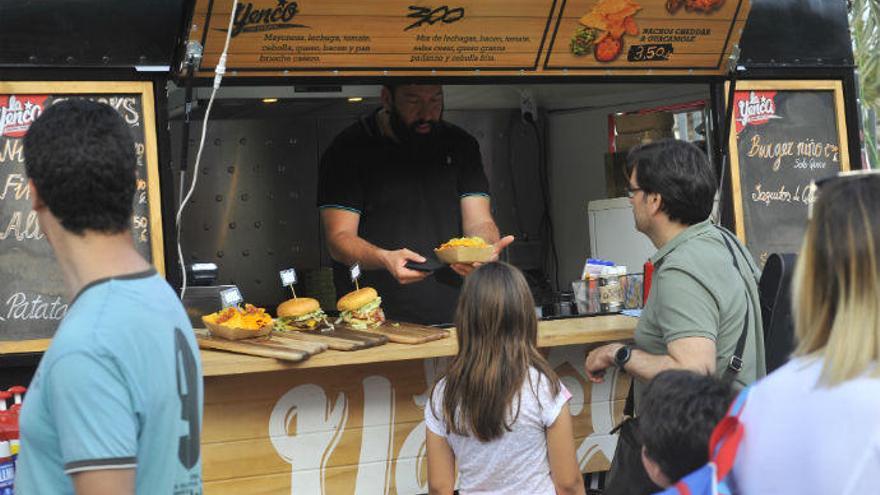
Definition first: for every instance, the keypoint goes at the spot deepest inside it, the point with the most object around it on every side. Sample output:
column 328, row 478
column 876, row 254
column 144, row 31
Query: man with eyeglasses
column 703, row 312
column 395, row 185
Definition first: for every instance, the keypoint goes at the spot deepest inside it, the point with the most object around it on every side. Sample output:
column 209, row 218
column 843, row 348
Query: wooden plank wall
column 359, row 430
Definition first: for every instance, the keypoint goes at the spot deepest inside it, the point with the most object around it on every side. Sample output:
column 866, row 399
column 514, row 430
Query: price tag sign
column 230, row 297
column 288, row 277
column 355, row 272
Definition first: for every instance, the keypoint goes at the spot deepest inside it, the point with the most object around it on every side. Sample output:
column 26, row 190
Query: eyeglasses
column 631, row 191
column 813, row 188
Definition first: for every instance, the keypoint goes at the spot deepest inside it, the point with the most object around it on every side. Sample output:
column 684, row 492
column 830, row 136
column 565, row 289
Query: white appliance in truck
column 613, row 234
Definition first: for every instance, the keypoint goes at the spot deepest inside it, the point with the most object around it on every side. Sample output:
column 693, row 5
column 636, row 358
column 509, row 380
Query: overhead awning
column 469, row 37
column 91, row 34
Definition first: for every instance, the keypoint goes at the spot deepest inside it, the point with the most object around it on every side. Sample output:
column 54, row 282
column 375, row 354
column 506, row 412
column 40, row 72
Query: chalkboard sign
column 32, row 292
column 785, row 134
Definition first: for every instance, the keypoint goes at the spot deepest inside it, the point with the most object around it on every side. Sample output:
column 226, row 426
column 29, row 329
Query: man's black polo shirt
column 407, row 197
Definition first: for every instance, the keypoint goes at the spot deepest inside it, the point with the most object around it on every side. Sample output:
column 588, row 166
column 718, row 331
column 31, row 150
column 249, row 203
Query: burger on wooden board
column 361, row 309
column 300, row 313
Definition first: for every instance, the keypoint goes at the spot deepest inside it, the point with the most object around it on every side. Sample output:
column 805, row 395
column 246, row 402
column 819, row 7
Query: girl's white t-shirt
column 516, row 463
column 802, row 438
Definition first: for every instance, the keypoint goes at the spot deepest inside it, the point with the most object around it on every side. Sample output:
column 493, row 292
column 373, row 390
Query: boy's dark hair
column 678, row 412
column 680, row 173
column 80, row 155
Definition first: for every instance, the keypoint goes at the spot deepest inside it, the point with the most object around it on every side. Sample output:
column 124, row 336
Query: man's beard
column 408, row 136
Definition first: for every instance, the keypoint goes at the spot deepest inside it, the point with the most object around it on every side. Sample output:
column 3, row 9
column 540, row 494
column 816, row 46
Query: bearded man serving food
column 395, row 185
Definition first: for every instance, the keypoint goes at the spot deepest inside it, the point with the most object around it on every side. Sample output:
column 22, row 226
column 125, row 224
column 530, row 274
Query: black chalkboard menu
column 785, row 134
column 32, row 293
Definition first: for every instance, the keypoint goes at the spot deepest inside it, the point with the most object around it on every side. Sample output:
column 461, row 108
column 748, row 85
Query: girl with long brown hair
column 500, row 412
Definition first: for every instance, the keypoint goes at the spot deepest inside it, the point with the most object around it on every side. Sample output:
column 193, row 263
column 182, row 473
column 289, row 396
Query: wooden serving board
column 340, row 338
column 271, row 347
column 408, row 333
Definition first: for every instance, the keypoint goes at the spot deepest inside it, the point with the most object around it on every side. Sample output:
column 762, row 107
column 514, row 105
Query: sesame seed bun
column 356, row 299
column 298, row 307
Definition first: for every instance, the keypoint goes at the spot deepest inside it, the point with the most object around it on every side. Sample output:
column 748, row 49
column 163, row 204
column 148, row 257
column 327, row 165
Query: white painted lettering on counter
column 20, row 307
column 305, row 428
column 601, row 403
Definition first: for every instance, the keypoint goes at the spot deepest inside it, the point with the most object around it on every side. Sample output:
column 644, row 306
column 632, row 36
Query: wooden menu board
column 376, row 35
column 656, row 35
column 785, row 135
column 467, row 37
column 32, row 292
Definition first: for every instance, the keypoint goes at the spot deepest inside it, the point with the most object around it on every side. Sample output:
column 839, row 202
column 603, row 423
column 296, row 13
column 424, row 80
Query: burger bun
column 356, row 299
column 298, row 307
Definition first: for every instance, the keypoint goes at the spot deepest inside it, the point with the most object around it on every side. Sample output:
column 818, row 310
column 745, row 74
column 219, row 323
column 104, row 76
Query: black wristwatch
column 621, row 357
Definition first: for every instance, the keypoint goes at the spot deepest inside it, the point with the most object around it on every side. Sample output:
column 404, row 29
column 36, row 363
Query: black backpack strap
column 729, row 236
column 735, row 363
column 629, row 407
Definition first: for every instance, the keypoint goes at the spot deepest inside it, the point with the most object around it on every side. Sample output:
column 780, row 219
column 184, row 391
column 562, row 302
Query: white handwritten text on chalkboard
column 21, row 227
column 15, row 188
column 778, row 151
column 19, row 307
column 12, row 151
column 805, row 193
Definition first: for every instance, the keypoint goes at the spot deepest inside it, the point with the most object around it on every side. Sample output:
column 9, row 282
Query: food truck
column 233, row 103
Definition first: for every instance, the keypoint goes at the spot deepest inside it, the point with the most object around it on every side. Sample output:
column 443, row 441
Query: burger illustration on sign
column 601, row 31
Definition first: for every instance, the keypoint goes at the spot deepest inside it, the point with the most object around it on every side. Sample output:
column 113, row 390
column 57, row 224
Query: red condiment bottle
column 648, row 272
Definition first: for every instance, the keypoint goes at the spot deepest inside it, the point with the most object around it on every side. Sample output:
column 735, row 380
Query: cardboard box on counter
column 625, row 142
column 628, row 124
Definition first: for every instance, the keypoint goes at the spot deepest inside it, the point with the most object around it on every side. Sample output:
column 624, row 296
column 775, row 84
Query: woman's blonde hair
column 497, row 335
column 836, row 295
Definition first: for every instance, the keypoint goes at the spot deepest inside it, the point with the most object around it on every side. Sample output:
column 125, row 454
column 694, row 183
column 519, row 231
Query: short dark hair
column 80, row 155
column 677, row 414
column 680, row 173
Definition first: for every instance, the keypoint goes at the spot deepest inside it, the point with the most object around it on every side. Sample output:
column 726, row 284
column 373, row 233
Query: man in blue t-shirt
column 116, row 403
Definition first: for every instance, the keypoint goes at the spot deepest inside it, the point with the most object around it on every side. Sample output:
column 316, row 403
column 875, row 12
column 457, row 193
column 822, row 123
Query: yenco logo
column 18, row 113
column 754, row 108
column 253, row 20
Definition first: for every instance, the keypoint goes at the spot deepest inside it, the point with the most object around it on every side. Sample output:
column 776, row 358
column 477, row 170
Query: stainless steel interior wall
column 253, row 211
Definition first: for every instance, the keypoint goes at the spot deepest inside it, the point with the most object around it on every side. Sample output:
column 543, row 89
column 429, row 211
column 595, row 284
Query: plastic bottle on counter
column 609, row 291
column 622, row 282
column 18, row 393
column 9, row 428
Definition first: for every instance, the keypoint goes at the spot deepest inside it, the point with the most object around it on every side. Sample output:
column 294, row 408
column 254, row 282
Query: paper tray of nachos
column 465, row 250
column 239, row 324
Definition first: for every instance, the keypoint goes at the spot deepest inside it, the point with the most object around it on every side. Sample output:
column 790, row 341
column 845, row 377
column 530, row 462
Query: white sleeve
column 550, row 404
column 434, row 423
column 866, row 471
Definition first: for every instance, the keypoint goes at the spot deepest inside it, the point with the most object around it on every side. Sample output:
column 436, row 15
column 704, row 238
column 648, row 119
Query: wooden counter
column 352, row 423
column 572, row 331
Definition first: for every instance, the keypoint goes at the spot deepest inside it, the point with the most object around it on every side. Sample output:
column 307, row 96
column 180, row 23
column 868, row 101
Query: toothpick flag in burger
column 361, row 309
column 299, row 313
